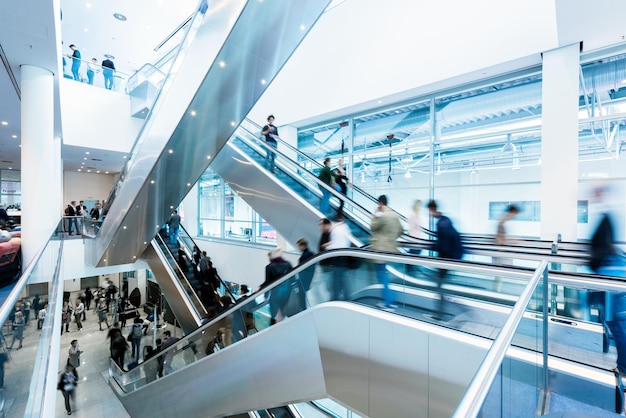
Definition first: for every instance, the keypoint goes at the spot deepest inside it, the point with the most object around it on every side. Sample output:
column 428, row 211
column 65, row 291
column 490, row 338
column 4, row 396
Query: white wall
column 363, row 50
column 87, row 114
column 86, row 186
column 239, row 263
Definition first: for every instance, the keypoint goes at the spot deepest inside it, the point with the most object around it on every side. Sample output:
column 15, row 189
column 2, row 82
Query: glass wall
column 477, row 148
column 11, row 191
column 224, row 214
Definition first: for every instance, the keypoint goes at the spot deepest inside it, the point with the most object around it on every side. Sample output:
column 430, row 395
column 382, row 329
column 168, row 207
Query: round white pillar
column 41, row 164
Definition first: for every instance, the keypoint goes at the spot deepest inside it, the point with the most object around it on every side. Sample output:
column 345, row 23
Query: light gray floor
column 94, row 398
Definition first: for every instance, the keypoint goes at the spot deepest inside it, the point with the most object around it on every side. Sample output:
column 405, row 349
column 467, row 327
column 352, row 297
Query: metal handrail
column 480, row 385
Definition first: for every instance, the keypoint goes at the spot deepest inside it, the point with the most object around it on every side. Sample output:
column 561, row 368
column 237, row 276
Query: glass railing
column 147, row 73
column 334, row 275
column 515, row 379
column 181, row 277
column 96, row 75
column 187, row 246
column 31, row 376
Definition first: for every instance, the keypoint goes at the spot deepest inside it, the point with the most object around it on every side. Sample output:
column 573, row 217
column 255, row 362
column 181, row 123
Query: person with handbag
column 67, row 385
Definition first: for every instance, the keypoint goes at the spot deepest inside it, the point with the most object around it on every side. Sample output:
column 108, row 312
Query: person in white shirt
column 340, row 237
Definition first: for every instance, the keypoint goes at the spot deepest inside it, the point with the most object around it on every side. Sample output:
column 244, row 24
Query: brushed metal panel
column 219, row 81
column 333, row 350
column 184, row 311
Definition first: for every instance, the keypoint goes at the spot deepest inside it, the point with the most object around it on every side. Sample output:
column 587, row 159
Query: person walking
column 67, row 385
column 174, row 224
column 325, row 176
column 386, row 229
column 135, row 333
column 73, row 357
column 78, row 313
column 101, row 310
column 502, row 239
column 447, row 245
column 306, row 275
column 88, row 298
column 279, row 295
column 270, row 132
column 18, row 329
column 41, row 316
column 342, row 182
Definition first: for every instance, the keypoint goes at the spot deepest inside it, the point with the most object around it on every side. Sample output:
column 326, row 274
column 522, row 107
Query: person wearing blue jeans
column 75, row 62
column 386, row 229
column 174, row 224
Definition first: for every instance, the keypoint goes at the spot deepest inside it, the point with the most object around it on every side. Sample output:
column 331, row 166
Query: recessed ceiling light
column 88, row 5
column 193, row 113
column 222, row 64
column 10, row 168
column 188, row 184
column 98, row 171
column 125, row 157
column 109, row 56
column 86, row 30
column 120, row 17
column 84, row 158
column 87, row 152
column 208, row 157
column 79, row 169
column 151, row 181
column 302, row 27
column 13, row 136
column 171, row 151
column 263, row 82
column 4, row 122
column 89, row 171
column 106, row 172
column 232, row 123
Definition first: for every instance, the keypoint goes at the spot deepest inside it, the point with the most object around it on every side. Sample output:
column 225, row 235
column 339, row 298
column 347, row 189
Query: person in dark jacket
column 326, row 176
column 305, row 276
column 447, row 245
column 279, row 295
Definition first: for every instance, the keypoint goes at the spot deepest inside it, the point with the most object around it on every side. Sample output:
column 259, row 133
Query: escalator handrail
column 482, row 381
column 463, row 266
column 227, row 289
column 181, row 277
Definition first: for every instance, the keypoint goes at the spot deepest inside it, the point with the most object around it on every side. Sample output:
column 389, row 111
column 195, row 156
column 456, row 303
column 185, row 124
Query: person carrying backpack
column 136, row 331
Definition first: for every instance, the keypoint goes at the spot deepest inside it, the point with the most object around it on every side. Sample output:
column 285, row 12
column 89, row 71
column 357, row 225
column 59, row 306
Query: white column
column 559, row 144
column 289, row 135
column 41, row 164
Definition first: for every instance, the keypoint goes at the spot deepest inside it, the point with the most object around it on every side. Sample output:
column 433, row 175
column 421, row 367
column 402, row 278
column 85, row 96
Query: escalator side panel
column 176, row 147
column 187, row 317
column 377, row 364
column 280, row 207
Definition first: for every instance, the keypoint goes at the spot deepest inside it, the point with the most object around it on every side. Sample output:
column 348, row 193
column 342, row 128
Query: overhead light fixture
column 407, row 175
column 109, row 56
column 120, row 17
column 509, row 146
column 4, row 122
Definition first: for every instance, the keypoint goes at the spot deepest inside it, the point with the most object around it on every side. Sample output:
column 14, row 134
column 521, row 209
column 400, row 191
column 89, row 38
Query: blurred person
column 73, row 357
column 306, row 275
column 415, row 222
column 108, row 71
column 151, row 369
column 270, row 132
column 67, row 385
column 386, row 229
column 168, row 357
column 135, row 334
column 447, row 245
column 41, row 316
column 78, row 313
column 503, row 239
column 88, row 298
column 340, row 237
column 326, row 176
column 279, row 295
column 18, row 329
column 101, row 310
column 92, row 69
column 602, row 245
column 342, row 182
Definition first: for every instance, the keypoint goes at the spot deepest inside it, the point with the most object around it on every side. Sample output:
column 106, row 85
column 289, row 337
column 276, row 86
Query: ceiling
column 28, row 36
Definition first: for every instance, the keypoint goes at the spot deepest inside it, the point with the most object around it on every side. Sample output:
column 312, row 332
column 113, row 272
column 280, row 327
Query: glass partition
column 357, row 276
column 25, row 369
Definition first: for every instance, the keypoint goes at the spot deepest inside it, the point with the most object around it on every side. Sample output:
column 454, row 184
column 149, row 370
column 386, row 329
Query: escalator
column 377, row 363
column 217, row 83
